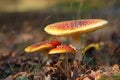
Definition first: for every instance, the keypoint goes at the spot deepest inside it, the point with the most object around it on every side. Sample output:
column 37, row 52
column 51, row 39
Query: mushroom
column 75, row 28
column 89, row 55
column 96, row 46
column 44, row 47
column 63, row 50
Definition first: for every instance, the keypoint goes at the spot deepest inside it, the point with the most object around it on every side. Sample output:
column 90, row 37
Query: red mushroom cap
column 42, row 45
column 62, row 49
column 75, row 26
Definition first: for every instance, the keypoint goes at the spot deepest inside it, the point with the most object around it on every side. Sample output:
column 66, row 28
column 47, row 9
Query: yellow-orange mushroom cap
column 62, row 49
column 42, row 45
column 75, row 26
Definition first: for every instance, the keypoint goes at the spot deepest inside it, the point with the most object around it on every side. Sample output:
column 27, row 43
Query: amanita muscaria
column 75, row 28
column 82, row 26
column 62, row 50
column 44, row 47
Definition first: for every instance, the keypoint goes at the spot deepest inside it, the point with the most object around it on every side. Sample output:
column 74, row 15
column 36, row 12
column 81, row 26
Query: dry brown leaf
column 115, row 67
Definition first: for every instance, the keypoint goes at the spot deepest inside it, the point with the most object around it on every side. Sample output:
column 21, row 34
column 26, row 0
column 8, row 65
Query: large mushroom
column 75, row 28
column 43, row 47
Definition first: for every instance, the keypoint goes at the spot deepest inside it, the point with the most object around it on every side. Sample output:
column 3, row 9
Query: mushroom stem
column 67, row 66
column 46, row 57
column 49, row 61
column 76, row 41
column 62, row 56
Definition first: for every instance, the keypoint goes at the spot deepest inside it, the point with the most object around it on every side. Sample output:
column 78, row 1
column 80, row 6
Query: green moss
column 111, row 77
column 116, row 77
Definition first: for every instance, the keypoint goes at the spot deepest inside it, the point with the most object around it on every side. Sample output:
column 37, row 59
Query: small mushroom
column 96, row 46
column 89, row 54
column 75, row 28
column 63, row 50
column 44, row 47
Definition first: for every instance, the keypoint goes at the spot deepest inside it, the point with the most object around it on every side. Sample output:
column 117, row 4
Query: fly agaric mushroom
column 44, row 47
column 75, row 27
column 63, row 50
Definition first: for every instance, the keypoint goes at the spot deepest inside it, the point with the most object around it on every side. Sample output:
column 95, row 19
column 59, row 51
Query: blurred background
column 22, row 22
